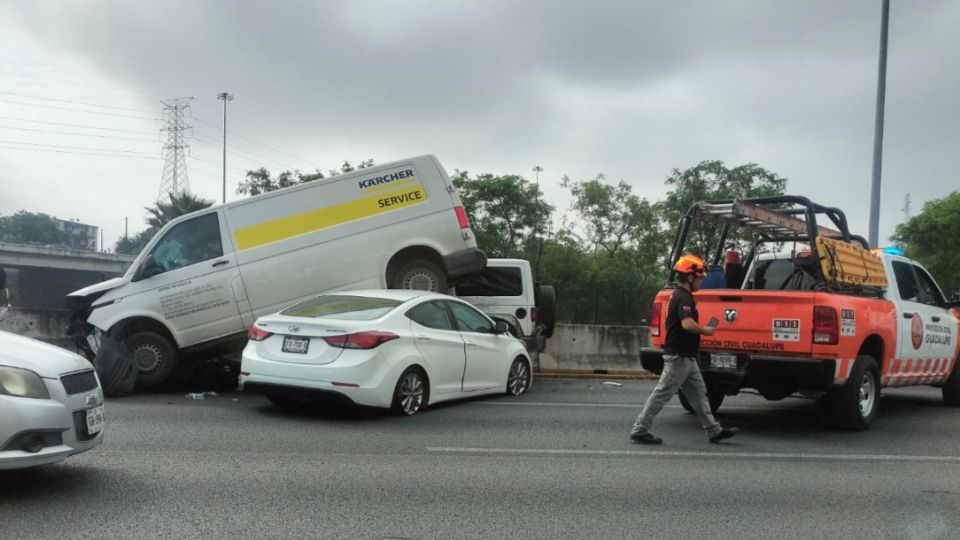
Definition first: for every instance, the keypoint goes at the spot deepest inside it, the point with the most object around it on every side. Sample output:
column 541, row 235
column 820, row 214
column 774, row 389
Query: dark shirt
column 679, row 342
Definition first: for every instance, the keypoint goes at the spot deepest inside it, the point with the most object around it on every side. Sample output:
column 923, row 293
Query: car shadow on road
column 66, row 480
column 803, row 416
column 327, row 412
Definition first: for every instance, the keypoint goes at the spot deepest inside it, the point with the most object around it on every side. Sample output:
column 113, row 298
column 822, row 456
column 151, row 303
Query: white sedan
column 51, row 405
column 384, row 348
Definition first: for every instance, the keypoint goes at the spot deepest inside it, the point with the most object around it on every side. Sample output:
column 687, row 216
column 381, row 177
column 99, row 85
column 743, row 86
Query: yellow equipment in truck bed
column 849, row 264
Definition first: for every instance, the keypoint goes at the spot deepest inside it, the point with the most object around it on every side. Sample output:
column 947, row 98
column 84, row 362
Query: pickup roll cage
column 770, row 220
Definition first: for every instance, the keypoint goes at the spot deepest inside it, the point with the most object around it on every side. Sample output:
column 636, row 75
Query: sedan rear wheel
column 411, row 393
column 518, row 380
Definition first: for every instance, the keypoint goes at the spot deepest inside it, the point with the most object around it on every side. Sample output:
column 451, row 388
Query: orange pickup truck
column 828, row 318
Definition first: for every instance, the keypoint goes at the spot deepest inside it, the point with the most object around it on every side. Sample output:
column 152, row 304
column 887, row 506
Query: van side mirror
column 149, row 268
column 502, row 327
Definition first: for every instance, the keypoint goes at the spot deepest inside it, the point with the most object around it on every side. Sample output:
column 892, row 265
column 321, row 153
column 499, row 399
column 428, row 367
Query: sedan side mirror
column 502, row 327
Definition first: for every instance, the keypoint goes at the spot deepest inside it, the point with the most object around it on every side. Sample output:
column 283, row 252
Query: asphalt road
column 554, row 463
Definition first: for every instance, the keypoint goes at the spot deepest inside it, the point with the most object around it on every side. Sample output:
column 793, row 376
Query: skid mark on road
column 641, row 453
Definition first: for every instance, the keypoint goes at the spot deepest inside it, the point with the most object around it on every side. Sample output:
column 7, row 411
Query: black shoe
column 725, row 433
column 645, row 438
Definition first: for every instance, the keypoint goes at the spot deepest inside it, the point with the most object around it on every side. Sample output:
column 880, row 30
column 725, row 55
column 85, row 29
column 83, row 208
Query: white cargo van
column 205, row 277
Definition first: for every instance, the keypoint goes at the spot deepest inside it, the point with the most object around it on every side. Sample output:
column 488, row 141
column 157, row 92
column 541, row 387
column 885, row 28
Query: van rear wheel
column 153, row 356
column 420, row 275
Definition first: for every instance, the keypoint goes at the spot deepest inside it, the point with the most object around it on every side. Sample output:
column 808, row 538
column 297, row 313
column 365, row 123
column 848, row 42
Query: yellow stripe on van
column 321, row 218
column 392, row 185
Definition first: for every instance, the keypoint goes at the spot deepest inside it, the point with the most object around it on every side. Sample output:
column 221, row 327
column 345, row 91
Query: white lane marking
column 616, row 405
column 685, row 454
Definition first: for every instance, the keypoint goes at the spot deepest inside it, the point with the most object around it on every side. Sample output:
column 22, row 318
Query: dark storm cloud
column 631, row 89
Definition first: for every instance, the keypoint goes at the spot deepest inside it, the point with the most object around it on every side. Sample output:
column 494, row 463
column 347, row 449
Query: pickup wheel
column 153, row 356
column 715, row 397
column 951, row 388
column 855, row 405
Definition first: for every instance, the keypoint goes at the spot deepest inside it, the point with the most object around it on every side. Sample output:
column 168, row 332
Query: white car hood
column 43, row 359
column 98, row 287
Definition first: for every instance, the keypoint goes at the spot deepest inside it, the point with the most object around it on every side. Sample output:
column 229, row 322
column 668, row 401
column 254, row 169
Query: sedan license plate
column 95, row 420
column 723, row 361
column 298, row 345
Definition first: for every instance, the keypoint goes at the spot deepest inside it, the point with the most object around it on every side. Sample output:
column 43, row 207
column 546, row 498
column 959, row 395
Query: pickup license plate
column 723, row 361
column 298, row 345
column 95, row 420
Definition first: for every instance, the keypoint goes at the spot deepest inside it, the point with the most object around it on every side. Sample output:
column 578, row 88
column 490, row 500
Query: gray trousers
column 679, row 373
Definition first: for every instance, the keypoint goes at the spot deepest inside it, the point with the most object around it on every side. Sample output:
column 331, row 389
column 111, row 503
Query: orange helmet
column 690, row 264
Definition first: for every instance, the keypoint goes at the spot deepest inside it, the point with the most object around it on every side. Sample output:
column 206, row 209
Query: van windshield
column 353, row 308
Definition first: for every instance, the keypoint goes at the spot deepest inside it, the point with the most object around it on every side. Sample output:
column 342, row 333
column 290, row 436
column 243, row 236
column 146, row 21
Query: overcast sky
column 629, row 89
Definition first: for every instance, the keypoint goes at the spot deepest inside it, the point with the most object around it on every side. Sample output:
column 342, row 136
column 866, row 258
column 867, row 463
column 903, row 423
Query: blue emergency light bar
column 893, row 251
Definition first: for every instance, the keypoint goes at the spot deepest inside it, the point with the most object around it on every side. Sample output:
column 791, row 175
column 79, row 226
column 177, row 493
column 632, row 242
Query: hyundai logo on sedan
column 294, row 328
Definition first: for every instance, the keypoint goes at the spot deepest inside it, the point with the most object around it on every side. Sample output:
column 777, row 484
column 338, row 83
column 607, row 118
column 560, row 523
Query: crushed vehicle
column 505, row 290
column 206, row 277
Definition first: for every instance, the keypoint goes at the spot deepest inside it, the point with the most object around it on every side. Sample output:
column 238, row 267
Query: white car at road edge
column 51, row 404
column 403, row 349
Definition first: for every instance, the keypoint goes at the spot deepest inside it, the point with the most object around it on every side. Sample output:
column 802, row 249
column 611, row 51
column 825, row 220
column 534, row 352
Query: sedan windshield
column 356, row 308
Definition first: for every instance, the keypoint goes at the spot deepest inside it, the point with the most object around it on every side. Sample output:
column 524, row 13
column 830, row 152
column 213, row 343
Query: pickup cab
column 829, row 318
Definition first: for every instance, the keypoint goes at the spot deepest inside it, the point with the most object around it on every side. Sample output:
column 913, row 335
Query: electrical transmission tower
column 175, row 181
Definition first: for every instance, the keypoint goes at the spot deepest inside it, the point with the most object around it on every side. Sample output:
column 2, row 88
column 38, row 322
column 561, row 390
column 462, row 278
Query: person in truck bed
column 680, row 370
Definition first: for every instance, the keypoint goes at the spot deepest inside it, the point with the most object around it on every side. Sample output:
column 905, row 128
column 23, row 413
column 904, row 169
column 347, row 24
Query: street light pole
column 878, row 129
column 225, row 96
column 537, row 170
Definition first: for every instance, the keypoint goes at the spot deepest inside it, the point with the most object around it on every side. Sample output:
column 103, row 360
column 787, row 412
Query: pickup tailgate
column 758, row 321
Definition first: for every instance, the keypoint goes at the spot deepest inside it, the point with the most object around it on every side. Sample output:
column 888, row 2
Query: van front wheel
column 420, row 275
column 153, row 356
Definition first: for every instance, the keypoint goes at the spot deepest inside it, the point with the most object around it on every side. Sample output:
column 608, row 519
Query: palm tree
column 179, row 205
column 160, row 214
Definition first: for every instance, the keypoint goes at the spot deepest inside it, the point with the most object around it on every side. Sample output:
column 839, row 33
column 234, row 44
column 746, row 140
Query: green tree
column 259, row 181
column 31, row 228
column 932, row 237
column 506, row 212
column 711, row 180
column 621, row 233
column 162, row 212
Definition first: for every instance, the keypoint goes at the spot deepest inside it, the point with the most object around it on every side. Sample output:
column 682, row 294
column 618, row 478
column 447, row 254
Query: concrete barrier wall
column 595, row 347
column 44, row 324
column 579, row 347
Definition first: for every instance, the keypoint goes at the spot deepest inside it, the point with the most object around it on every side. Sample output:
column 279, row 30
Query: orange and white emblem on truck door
column 916, row 331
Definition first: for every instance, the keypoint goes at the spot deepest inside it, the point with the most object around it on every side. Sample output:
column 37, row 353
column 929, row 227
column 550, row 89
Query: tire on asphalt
column 411, row 393
column 519, row 377
column 854, row 407
column 420, row 274
column 714, row 396
column 153, row 355
column 951, row 388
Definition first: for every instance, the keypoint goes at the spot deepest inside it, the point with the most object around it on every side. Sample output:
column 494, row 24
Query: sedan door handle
column 470, row 343
column 423, row 338
column 908, row 315
column 219, row 263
